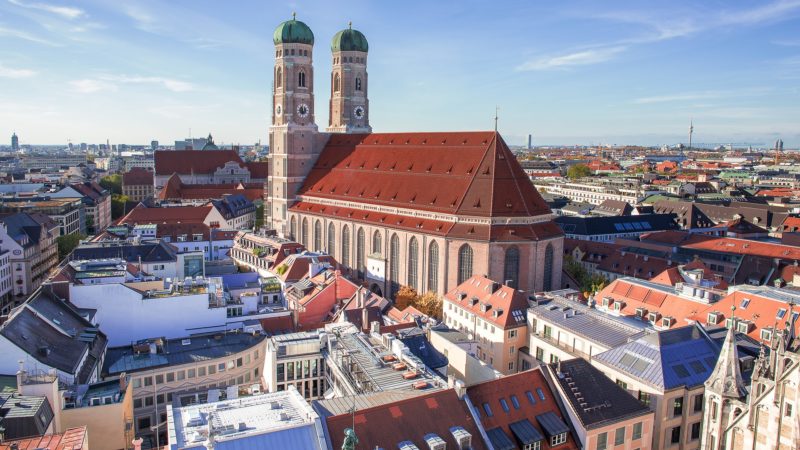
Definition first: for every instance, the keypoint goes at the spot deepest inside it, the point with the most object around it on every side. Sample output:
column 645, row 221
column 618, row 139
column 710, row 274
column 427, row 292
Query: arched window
column 464, row 263
column 433, row 267
column 332, row 239
column 413, row 250
column 377, row 243
column 292, row 228
column 511, row 267
column 278, row 77
column 346, row 246
column 304, row 233
column 394, row 265
column 360, row 244
column 317, row 236
column 548, row 268
column 358, row 83
column 336, row 82
column 301, row 79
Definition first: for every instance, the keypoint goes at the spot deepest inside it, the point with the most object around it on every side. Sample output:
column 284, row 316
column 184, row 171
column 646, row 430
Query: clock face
column 302, row 110
column 278, row 110
column 358, row 112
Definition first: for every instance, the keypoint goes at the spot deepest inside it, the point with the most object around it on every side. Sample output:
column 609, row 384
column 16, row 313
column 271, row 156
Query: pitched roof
column 596, row 400
column 475, row 174
column 596, row 225
column 175, row 189
column 137, row 176
column 520, row 397
column 411, row 420
column 141, row 214
column 168, row 162
column 71, row 439
column 498, row 304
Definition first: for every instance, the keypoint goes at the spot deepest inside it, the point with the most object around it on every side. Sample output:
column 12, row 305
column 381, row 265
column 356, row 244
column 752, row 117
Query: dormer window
column 713, row 318
column 618, row 306
column 653, row 317
column 435, row 442
column 641, row 312
column 667, row 322
column 781, row 314
column 766, row 334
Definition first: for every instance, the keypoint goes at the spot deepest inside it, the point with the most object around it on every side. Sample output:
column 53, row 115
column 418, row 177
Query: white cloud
column 8, row 72
column 89, row 86
column 678, row 97
column 579, row 58
column 67, row 12
column 26, row 36
column 776, row 10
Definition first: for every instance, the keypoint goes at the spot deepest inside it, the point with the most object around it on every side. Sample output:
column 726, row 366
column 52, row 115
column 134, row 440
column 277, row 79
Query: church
column 426, row 210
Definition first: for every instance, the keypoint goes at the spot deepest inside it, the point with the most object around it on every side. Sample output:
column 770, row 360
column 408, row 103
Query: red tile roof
column 633, row 264
column 518, row 386
column 506, row 305
column 175, row 189
column 178, row 214
column 278, row 324
column 412, row 419
column 664, row 301
column 168, row 162
column 475, row 174
column 137, row 176
column 71, row 439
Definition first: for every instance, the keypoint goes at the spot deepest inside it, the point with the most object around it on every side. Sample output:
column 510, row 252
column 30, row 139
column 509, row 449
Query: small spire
column 350, row 24
column 496, row 109
column 294, row 15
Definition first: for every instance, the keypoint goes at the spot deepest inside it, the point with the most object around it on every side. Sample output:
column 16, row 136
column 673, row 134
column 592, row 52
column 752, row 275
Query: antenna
column 496, row 109
column 691, row 131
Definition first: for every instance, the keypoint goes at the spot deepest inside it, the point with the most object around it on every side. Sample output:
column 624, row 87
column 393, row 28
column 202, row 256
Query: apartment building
column 137, row 184
column 31, row 241
column 296, row 359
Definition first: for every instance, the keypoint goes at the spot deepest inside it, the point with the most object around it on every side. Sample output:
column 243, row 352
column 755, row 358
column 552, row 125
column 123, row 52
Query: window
column 540, row 393
column 137, row 403
column 511, row 267
column 512, row 334
column 619, row 436
column 148, row 401
column 637, row 431
column 144, row 423
column 377, row 243
column 336, row 82
column 304, row 232
column 558, row 439
column 358, row 83
column 278, row 77
column 698, row 402
column 148, row 381
column 622, row 384
column 360, row 251
column 301, row 79
column 346, row 246
column 413, row 250
column 281, row 372
column 464, row 263
column 677, row 407
column 602, row 441
column 644, row 397
column 787, row 410
column 212, row 370
column 531, row 398
column 504, row 404
column 433, row 267
column 317, row 236
column 675, row 437
column 293, row 228
column 159, row 379
column 548, row 268
column 695, row 431
column 714, row 407
column 394, row 264
column 487, row 409
column 515, row 401
column 331, row 238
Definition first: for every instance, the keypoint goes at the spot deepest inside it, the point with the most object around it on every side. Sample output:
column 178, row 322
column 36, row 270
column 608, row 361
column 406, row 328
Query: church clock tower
column 293, row 133
column 349, row 105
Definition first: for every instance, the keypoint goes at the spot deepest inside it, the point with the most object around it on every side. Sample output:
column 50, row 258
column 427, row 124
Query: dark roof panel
column 525, row 432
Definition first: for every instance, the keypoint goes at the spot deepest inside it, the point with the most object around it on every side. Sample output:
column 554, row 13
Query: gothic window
column 394, row 264
column 317, row 236
column 304, row 233
column 413, row 250
column 331, row 239
column 360, row 244
column 278, row 77
column 293, row 228
column 376, row 243
column 336, row 82
column 511, row 267
column 301, row 79
column 464, row 263
column 358, row 83
column 433, row 267
column 346, row 246
column 548, row 268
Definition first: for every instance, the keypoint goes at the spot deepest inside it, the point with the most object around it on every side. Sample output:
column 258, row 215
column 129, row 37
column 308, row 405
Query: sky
column 567, row 72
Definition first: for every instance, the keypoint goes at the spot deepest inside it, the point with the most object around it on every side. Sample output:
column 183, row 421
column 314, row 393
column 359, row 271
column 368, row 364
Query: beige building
column 460, row 351
column 198, row 369
column 493, row 315
column 137, row 184
column 295, row 359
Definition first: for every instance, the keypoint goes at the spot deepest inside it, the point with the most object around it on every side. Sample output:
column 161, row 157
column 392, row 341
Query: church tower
column 293, row 134
column 349, row 105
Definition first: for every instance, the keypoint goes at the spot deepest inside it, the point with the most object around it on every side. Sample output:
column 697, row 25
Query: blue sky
column 568, row 72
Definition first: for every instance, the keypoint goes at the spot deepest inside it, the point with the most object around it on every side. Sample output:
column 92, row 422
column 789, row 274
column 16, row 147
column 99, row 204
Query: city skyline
column 568, row 74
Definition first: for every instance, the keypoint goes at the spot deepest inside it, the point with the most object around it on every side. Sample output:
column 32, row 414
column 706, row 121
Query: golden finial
column 294, row 15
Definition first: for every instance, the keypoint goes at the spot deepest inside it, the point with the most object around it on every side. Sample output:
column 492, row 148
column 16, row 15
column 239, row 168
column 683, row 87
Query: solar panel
column 619, row 227
column 647, row 226
column 628, row 227
column 680, row 370
column 637, row 225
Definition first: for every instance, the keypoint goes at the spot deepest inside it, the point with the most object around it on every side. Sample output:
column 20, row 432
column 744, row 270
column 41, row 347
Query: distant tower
column 530, row 141
column 778, row 150
column 153, row 145
column 293, row 133
column 349, row 104
column 691, row 131
column 14, row 142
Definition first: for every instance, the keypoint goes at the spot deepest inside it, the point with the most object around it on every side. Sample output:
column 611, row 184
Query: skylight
column 781, row 313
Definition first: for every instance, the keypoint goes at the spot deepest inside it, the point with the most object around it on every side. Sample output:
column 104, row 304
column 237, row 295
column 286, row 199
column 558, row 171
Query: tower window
column 301, row 79
column 358, row 83
column 278, row 77
column 305, row 52
column 291, row 52
column 336, row 82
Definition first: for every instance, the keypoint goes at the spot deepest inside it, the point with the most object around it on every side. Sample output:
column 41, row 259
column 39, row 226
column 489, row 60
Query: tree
column 118, row 205
column 113, row 183
column 259, row 216
column 586, row 282
column 405, row 296
column 67, row 243
column 578, row 171
column 429, row 303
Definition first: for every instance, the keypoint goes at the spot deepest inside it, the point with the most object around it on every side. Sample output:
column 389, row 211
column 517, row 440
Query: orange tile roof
column 506, row 305
column 71, row 439
column 652, row 297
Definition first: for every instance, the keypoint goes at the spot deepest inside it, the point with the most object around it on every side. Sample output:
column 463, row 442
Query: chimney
column 21, row 373
column 137, row 444
column 364, row 318
column 360, row 298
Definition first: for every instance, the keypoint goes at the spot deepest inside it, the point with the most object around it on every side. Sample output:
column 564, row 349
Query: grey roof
column 149, row 251
column 343, row 405
column 668, row 359
column 21, row 225
column 24, row 416
column 589, row 226
column 552, row 424
column 526, row 433
column 179, row 351
column 53, row 333
column 587, row 322
column 596, row 399
column 500, row 440
column 419, row 345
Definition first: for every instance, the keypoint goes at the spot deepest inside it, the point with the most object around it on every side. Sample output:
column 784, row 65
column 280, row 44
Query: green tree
column 586, row 281
column 578, row 171
column 66, row 244
column 260, row 216
column 113, row 183
column 118, row 205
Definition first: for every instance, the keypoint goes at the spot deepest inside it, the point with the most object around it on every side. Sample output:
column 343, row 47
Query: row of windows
column 337, row 83
column 619, row 436
column 350, row 59
column 291, row 52
column 193, row 372
column 299, row 369
column 301, row 80
column 161, row 399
